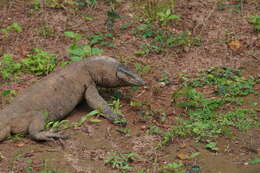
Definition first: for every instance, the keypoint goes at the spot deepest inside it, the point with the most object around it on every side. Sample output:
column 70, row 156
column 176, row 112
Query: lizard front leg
column 95, row 101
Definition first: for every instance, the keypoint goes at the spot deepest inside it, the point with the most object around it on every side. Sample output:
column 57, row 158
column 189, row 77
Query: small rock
column 162, row 84
column 246, row 163
column 143, row 127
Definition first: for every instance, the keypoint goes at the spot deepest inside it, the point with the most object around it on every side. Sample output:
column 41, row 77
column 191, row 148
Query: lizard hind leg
column 5, row 131
column 38, row 132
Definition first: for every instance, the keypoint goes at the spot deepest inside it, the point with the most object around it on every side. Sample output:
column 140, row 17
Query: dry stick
column 206, row 20
column 241, row 7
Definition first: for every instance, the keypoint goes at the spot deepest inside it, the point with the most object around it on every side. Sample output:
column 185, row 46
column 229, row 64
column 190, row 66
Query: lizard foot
column 49, row 136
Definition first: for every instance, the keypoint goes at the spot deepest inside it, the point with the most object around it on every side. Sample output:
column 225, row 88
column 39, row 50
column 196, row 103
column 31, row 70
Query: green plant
column 165, row 17
column 39, row 62
column 45, row 31
column 236, row 7
column 228, row 81
column 112, row 15
column 156, row 40
column 90, row 3
column 121, row 161
column 73, row 35
column 87, row 116
column 36, row 4
column 102, row 40
column 255, row 161
column 116, row 105
column 212, row 146
column 80, row 51
column 14, row 27
column 142, row 68
column 205, row 116
column 255, row 20
column 125, row 131
column 156, row 10
column 155, row 130
column 55, row 125
column 8, row 67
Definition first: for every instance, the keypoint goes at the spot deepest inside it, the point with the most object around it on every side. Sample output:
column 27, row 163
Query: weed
column 112, row 15
column 157, row 40
column 87, row 116
column 121, row 161
column 255, row 20
column 16, row 137
column 14, row 27
column 39, row 62
column 36, row 4
column 160, row 11
column 142, row 68
column 155, row 130
column 55, row 125
column 102, row 40
column 229, row 82
column 126, row 25
column 116, row 105
column 171, row 167
column 235, row 7
column 255, row 161
column 73, row 35
column 205, row 117
column 45, row 31
column 125, row 131
column 5, row 93
column 8, row 67
column 90, row 3
column 79, row 51
column 165, row 17
column 211, row 146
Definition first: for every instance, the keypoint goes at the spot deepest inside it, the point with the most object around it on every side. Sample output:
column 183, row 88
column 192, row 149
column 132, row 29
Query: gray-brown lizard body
column 56, row 95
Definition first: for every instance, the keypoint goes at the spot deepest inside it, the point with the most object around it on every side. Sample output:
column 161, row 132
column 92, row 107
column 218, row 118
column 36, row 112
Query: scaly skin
column 56, row 95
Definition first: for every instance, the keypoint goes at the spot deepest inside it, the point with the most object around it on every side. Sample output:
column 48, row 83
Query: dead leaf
column 234, row 45
column 20, row 144
column 182, row 156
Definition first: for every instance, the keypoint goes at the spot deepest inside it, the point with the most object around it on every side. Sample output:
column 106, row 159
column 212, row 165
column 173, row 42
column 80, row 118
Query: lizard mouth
column 129, row 77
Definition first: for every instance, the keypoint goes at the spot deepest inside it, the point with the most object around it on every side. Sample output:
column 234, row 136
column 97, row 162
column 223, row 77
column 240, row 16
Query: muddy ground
column 90, row 144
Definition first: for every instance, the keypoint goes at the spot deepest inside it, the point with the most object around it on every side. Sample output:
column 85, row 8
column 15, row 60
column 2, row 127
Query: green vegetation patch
column 37, row 62
column 14, row 27
column 208, row 116
column 79, row 51
column 9, row 68
column 121, row 161
column 156, row 40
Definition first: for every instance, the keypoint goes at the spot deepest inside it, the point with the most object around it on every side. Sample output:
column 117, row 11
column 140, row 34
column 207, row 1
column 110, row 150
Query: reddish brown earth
column 92, row 143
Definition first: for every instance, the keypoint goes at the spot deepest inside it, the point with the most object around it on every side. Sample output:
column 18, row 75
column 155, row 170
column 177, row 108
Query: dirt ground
column 90, row 144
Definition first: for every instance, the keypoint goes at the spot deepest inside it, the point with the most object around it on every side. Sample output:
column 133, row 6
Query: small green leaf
column 73, row 35
column 255, row 161
column 6, row 93
column 75, row 58
column 95, row 120
column 96, row 51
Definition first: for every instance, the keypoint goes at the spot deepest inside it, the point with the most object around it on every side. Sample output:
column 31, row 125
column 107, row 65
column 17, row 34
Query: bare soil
column 89, row 145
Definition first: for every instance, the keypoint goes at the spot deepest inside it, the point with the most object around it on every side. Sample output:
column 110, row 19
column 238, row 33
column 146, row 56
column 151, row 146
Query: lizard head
column 108, row 72
column 128, row 77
